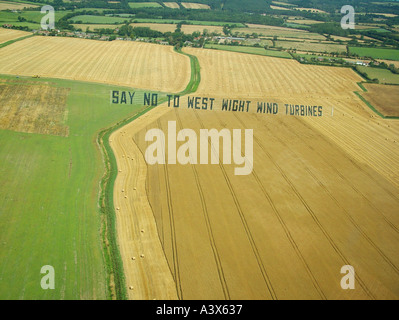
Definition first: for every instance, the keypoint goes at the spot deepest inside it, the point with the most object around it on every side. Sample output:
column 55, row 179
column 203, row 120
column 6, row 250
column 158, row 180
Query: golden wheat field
column 172, row 5
column 190, row 5
column 135, row 64
column 10, row 34
column 9, row 5
column 323, row 192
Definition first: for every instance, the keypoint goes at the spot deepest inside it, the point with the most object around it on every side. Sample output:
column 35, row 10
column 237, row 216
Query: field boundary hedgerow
column 116, row 278
column 4, row 44
column 360, row 84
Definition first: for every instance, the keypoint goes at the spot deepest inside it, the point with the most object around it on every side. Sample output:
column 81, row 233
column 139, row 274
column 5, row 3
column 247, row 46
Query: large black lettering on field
column 126, row 97
column 226, row 105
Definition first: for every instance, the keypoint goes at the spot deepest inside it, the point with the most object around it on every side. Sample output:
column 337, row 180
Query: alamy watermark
column 209, row 139
column 48, row 21
column 48, row 280
column 348, row 280
column 348, row 20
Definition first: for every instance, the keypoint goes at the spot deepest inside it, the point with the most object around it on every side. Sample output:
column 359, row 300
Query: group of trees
column 133, row 32
column 176, row 38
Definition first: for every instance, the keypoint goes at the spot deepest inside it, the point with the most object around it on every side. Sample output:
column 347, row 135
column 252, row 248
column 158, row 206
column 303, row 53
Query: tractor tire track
column 245, row 224
column 285, row 227
column 208, row 226
column 313, row 215
column 172, row 227
column 351, row 219
column 391, row 224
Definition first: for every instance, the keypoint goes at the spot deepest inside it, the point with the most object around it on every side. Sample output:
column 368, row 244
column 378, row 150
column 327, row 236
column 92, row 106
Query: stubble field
column 323, row 192
column 118, row 62
column 10, row 34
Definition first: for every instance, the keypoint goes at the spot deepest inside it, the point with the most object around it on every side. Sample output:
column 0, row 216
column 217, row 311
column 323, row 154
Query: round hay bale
column 133, row 258
column 134, row 188
column 142, row 256
column 131, row 288
column 117, row 208
column 142, row 230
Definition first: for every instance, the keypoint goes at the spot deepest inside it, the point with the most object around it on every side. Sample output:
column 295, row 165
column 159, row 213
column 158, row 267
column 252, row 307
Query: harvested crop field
column 172, row 5
column 278, row 8
column 323, row 192
column 162, row 27
column 279, row 32
column 308, row 46
column 186, row 28
column 383, row 97
column 190, row 5
column 135, row 64
column 189, row 29
column 93, row 27
column 10, row 34
column 44, row 112
column 271, row 76
column 9, row 5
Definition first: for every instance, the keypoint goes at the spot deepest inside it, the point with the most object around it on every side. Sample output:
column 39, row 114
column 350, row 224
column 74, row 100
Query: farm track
column 176, row 270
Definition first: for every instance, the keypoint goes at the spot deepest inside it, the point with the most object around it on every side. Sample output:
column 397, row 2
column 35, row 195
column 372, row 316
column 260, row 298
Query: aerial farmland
column 192, row 151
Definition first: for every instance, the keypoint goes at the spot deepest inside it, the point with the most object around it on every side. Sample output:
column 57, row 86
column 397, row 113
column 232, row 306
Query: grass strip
column 2, row 45
column 116, row 277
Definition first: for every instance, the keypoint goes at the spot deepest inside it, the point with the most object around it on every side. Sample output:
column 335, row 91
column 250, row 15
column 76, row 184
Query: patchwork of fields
column 323, row 192
column 50, row 211
column 318, row 198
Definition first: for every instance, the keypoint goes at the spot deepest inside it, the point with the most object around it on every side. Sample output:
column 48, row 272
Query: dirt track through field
column 323, row 193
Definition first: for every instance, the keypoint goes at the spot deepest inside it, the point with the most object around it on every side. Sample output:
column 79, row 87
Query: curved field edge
column 113, row 259
column 112, row 256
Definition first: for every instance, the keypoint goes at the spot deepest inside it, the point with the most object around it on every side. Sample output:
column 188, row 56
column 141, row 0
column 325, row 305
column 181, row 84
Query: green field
column 98, row 19
column 49, row 199
column 89, row 19
column 326, row 59
column 144, row 5
column 193, row 22
column 310, row 46
column 383, row 75
column 251, row 50
column 376, row 53
column 33, row 18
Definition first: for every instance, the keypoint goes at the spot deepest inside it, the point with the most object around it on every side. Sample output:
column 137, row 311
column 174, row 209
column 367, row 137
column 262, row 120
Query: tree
column 226, row 30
